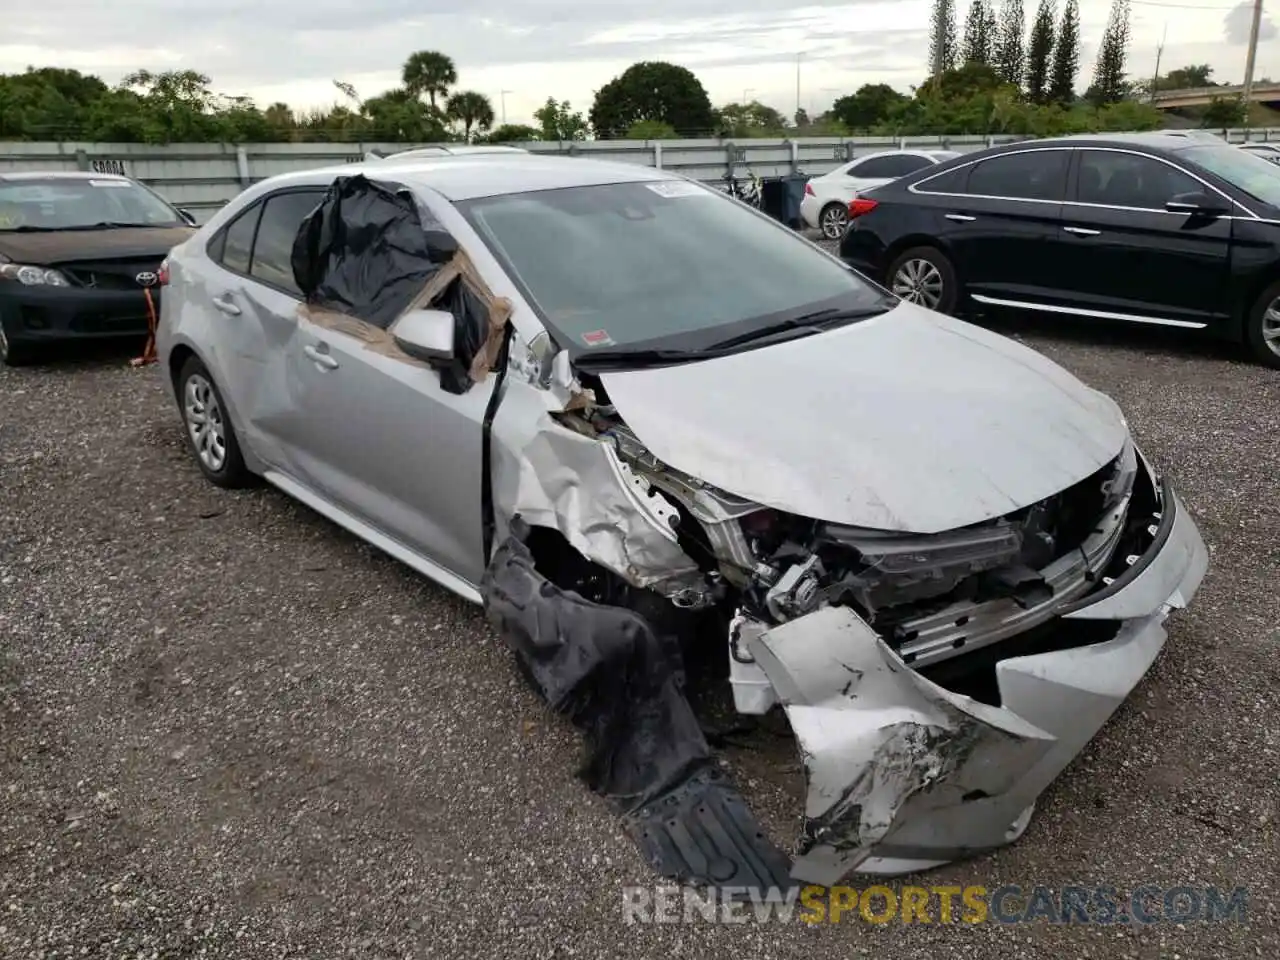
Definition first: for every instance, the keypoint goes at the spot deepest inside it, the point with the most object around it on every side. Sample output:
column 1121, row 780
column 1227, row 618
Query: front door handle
column 321, row 358
column 1082, row 231
column 225, row 304
column 962, row 217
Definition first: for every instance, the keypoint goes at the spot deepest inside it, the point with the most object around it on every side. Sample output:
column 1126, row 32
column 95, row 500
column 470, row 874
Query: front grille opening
column 974, row 674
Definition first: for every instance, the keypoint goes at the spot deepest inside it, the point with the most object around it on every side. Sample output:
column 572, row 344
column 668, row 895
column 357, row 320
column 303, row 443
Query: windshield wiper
column 803, row 325
column 599, row 361
column 100, row 225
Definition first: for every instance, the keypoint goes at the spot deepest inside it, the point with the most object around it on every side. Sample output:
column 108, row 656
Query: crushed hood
column 910, row 421
column 58, row 246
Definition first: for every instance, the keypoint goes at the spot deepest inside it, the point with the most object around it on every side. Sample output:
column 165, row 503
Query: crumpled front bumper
column 905, row 775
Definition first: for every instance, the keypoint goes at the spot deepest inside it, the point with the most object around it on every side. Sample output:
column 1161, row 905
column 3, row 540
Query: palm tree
column 429, row 72
column 471, row 109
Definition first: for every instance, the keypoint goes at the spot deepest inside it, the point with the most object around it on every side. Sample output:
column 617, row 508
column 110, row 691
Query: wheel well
column 914, row 240
column 177, row 358
column 1247, row 299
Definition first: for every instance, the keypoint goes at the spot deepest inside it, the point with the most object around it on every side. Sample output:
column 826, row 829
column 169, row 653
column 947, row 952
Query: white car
column 826, row 198
column 1267, row 151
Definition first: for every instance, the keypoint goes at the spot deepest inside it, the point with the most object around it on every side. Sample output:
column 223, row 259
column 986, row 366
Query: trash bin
column 793, row 196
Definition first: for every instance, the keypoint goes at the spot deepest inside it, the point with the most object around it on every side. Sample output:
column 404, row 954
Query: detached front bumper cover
column 904, row 775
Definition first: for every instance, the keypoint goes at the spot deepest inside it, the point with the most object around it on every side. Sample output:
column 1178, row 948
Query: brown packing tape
column 383, row 342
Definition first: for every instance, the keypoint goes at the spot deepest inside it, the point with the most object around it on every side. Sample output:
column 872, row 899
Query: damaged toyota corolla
column 639, row 422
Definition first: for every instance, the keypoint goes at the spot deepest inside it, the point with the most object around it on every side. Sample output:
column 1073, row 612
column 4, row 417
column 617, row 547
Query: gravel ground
column 228, row 729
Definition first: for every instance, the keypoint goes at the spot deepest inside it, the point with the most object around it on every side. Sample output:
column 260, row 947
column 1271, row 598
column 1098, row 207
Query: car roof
column 468, row 178
column 1156, row 141
column 17, row 175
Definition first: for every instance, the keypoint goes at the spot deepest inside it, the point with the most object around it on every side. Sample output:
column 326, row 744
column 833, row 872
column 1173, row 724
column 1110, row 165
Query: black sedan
column 77, row 252
column 1140, row 228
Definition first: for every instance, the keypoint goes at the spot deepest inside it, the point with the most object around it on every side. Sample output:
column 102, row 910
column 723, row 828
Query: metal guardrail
column 203, row 176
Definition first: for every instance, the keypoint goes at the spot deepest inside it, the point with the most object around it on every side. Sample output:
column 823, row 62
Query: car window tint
column 273, row 250
column 1129, row 180
column 953, row 181
column 1028, row 175
column 894, row 166
column 237, row 243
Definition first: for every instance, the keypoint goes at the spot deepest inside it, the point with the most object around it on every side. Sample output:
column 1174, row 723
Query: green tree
column 429, row 72
column 942, row 36
column 653, row 90
column 1040, row 53
column 1066, row 55
column 1191, row 77
column 978, row 33
column 752, row 119
column 397, row 116
column 1108, row 71
column 471, row 109
column 1010, row 57
column 512, row 133
column 1224, row 112
column 177, row 105
column 870, row 104
column 559, row 122
column 651, row 130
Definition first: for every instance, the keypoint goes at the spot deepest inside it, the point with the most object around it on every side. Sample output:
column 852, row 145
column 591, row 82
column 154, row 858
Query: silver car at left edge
column 642, row 423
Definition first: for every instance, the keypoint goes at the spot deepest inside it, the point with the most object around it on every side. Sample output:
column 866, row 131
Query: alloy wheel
column 918, row 281
column 204, row 422
column 4, row 344
column 1271, row 327
column 834, row 220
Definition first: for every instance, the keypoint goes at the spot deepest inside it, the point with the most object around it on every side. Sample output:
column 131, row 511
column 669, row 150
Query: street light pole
column 503, row 95
column 798, row 56
column 1253, row 52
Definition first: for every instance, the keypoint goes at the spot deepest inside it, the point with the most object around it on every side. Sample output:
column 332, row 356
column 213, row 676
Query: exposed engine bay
column 930, row 597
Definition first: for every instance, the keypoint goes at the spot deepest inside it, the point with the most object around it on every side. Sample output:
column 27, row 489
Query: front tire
column 14, row 354
column 832, row 220
column 210, row 435
column 1262, row 327
column 925, row 276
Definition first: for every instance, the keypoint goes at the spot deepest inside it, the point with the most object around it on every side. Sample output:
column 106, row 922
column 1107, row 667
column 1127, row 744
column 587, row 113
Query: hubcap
column 204, row 422
column 1271, row 327
column 833, row 223
column 918, row 281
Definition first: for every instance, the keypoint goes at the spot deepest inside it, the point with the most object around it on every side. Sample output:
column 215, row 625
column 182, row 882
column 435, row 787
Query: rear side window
column 892, row 166
column 1029, row 175
column 273, row 250
column 236, row 245
column 953, row 181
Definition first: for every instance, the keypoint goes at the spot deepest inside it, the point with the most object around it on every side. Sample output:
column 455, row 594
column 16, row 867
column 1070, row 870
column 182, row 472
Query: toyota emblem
column 146, row 278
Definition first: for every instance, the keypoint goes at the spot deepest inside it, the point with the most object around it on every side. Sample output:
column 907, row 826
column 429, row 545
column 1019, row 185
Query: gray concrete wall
column 203, row 176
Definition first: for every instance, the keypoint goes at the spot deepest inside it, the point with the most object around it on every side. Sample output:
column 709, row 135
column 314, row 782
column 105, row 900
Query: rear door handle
column 1082, row 231
column 225, row 304
column 962, row 217
column 321, row 358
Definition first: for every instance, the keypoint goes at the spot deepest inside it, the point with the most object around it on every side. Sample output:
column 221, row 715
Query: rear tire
column 832, row 220
column 1262, row 327
column 210, row 435
column 924, row 276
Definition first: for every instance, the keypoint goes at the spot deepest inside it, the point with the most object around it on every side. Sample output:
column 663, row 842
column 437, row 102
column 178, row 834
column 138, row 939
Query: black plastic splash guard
column 618, row 681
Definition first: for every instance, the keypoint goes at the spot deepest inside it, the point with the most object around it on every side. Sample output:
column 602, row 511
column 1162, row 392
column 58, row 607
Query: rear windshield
column 663, row 263
column 69, row 204
column 1257, row 177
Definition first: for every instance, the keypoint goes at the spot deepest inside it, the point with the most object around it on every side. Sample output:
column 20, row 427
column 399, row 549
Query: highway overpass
column 1265, row 93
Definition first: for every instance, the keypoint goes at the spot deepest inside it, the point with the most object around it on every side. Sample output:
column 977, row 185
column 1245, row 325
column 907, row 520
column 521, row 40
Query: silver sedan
column 639, row 422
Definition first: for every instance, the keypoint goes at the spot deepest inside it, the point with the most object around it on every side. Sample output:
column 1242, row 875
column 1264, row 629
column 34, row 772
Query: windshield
column 1242, row 169
column 70, row 204
column 665, row 264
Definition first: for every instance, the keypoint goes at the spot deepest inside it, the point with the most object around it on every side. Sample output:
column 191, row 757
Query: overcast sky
column 291, row 50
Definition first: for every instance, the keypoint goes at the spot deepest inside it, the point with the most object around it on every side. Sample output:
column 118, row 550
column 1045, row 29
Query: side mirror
column 188, row 216
column 425, row 335
column 1196, row 201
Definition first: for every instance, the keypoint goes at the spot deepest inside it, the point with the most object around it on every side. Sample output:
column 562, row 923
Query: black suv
column 1144, row 228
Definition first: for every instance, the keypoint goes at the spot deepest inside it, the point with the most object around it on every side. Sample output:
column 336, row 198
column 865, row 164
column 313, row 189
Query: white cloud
column 292, row 50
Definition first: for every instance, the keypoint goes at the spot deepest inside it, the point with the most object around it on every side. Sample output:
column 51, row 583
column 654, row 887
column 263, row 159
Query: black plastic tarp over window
column 370, row 250
column 366, row 250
